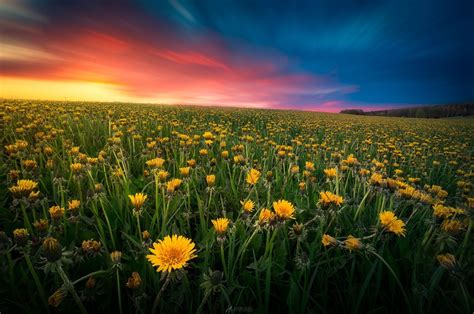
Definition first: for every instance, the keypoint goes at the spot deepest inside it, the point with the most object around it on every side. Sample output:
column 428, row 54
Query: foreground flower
column 171, row 253
column 327, row 198
column 392, row 223
column 284, row 209
column 221, row 225
column 253, row 176
column 138, row 200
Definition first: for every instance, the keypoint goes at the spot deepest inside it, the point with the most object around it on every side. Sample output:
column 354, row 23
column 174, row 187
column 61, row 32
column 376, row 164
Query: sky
column 306, row 55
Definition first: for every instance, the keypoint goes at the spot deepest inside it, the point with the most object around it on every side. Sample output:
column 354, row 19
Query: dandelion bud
column 98, row 187
column 90, row 283
column 213, row 162
column 52, row 249
column 76, row 167
column 146, row 235
column 116, row 257
column 269, row 176
column 298, row 228
column 216, row 277
column 41, row 225
column 211, row 180
column 57, row 297
column 352, row 243
column 134, row 281
column 328, row 240
column 448, row 261
column 192, row 163
column 73, row 207
column 20, row 236
column 185, row 171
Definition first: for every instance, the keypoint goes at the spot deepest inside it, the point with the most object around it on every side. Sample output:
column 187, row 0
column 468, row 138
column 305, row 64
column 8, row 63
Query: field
column 275, row 211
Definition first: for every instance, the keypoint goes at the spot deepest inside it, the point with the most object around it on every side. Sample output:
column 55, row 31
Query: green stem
column 26, row 219
column 139, row 227
column 224, row 265
column 203, row 302
column 36, row 280
column 108, row 224
column 158, row 296
column 119, row 294
column 70, row 288
column 95, row 273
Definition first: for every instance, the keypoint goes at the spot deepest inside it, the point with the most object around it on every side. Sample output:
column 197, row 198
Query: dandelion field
column 135, row 208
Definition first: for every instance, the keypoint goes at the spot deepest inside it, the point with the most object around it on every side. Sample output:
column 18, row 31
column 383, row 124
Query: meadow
column 140, row 208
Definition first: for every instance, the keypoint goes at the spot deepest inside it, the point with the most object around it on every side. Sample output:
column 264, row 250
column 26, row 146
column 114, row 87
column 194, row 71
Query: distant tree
column 353, row 111
column 440, row 111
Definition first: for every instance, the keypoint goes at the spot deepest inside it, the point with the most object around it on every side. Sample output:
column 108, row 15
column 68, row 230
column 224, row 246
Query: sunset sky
column 315, row 55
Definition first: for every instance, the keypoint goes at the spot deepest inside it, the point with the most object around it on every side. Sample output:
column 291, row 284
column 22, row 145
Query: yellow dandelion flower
column 185, row 171
column 352, row 243
column 74, row 204
column 248, row 206
column 138, row 200
column 23, row 188
column 220, row 225
column 387, row 217
column 327, row 198
column 253, row 176
column 265, row 216
column 171, row 253
column 328, row 240
column 163, row 175
column 56, row 212
column 76, row 167
column 330, row 172
column 448, row 261
column 309, row 166
column 155, row 163
column 284, row 209
column 173, row 185
column 211, row 180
